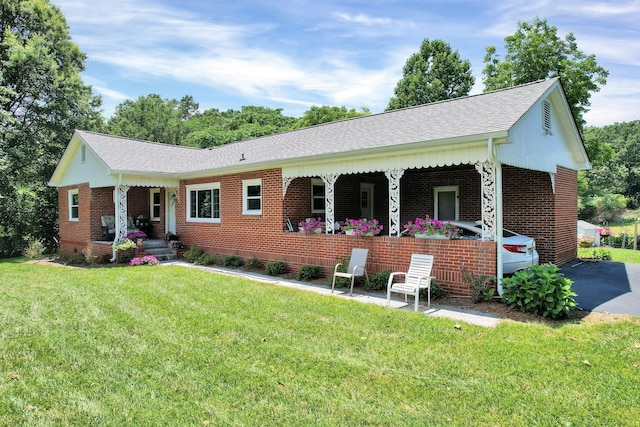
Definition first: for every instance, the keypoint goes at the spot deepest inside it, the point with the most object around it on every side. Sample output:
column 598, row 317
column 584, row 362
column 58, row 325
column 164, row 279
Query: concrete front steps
column 159, row 249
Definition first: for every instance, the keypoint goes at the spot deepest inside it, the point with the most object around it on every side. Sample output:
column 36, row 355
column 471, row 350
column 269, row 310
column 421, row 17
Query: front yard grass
column 176, row 346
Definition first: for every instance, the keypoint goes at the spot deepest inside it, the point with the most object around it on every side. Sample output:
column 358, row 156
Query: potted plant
column 427, row 228
column 125, row 250
column 170, row 236
column 585, row 241
column 135, row 235
column 311, row 226
column 361, row 227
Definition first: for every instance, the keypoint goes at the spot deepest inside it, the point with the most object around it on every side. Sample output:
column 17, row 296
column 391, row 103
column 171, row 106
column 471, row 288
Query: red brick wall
column 101, row 204
column 566, row 216
column 530, row 207
column 263, row 236
column 74, row 235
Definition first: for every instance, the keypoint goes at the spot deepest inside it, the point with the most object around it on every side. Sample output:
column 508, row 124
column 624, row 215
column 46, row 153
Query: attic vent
column 83, row 153
column 546, row 117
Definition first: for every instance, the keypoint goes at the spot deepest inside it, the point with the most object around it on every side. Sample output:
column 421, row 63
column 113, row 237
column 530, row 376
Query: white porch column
column 329, row 202
column 487, row 172
column 121, row 212
column 394, row 176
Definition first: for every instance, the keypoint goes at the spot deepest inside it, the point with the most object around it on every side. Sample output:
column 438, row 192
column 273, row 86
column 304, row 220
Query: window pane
column 74, row 212
column 204, row 204
column 318, row 190
column 318, row 204
column 193, row 205
column 253, row 204
column 447, row 205
column 253, row 190
column 156, row 211
column 74, row 199
column 216, row 203
column 156, row 198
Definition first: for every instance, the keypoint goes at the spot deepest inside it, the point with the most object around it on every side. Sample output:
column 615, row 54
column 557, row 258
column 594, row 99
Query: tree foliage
column 317, row 115
column 613, row 183
column 434, row 73
column 536, row 52
column 152, row 118
column 42, row 100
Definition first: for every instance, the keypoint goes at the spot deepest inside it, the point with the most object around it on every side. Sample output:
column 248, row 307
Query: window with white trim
column 446, row 203
column 74, row 205
column 317, row 196
column 154, row 204
column 203, row 202
column 252, row 197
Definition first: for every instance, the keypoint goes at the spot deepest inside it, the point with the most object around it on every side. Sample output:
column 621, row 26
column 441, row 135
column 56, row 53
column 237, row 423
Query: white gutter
column 117, row 234
column 498, row 213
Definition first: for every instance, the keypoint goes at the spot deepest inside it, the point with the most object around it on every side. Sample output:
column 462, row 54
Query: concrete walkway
column 468, row 316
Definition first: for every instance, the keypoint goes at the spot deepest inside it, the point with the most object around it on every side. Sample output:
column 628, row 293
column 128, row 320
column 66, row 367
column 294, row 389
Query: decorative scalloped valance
column 427, row 158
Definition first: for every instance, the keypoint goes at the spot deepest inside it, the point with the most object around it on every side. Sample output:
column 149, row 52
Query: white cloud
column 618, row 101
column 363, row 19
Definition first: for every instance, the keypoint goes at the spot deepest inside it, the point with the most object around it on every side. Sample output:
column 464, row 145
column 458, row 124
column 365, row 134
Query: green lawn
column 170, row 346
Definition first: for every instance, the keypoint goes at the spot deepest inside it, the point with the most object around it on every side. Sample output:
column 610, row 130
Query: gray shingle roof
column 473, row 115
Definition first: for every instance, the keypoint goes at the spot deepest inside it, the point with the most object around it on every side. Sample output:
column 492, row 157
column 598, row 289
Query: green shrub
column 75, row 259
column 254, row 262
column 378, row 281
column 540, row 289
column 124, row 257
column 594, row 253
column 436, row 291
column 206, row 259
column 34, row 249
column 193, row 253
column 232, row 261
column 275, row 268
column 309, row 272
column 482, row 287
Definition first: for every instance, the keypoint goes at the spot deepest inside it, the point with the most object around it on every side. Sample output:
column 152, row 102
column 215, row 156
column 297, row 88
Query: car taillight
column 519, row 249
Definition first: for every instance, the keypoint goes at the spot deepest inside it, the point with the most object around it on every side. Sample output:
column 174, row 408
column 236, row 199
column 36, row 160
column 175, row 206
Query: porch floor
column 436, row 310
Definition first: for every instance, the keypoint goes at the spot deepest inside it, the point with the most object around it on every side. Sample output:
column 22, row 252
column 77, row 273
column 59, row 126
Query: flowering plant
column 136, row 234
column 430, row 227
column 362, row 227
column 124, row 245
column 145, row 260
column 311, row 225
column 585, row 241
column 606, row 231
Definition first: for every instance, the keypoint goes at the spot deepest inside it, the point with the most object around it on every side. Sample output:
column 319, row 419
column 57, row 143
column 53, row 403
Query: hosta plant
column 540, row 289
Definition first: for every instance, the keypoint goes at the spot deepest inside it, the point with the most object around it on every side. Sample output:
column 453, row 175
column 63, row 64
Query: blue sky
column 299, row 53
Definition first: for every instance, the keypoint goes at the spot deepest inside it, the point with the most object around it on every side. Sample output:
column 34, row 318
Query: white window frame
column 446, row 189
column 245, row 196
column 200, row 187
column 152, row 205
column 72, row 193
column 316, row 182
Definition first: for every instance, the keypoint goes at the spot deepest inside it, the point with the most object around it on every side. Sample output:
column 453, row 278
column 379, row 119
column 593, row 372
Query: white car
column 518, row 251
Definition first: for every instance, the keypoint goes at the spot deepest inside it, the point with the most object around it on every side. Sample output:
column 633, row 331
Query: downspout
column 498, row 225
column 114, row 255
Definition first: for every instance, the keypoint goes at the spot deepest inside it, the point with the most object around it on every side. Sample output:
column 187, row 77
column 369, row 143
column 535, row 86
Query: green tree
column 435, row 73
column 214, row 127
column 613, row 183
column 536, row 52
column 317, row 115
column 42, row 100
column 152, row 118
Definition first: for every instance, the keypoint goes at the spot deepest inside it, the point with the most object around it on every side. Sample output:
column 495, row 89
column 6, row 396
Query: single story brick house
column 509, row 158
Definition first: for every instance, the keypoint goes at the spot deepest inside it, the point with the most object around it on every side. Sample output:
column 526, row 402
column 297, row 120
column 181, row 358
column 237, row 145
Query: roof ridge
column 138, row 140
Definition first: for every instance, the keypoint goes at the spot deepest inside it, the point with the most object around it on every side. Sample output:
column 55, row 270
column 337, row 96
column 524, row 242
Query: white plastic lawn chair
column 356, row 268
column 416, row 278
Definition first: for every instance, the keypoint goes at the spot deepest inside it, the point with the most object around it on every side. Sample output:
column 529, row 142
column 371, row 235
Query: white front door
column 366, row 200
column 170, row 210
